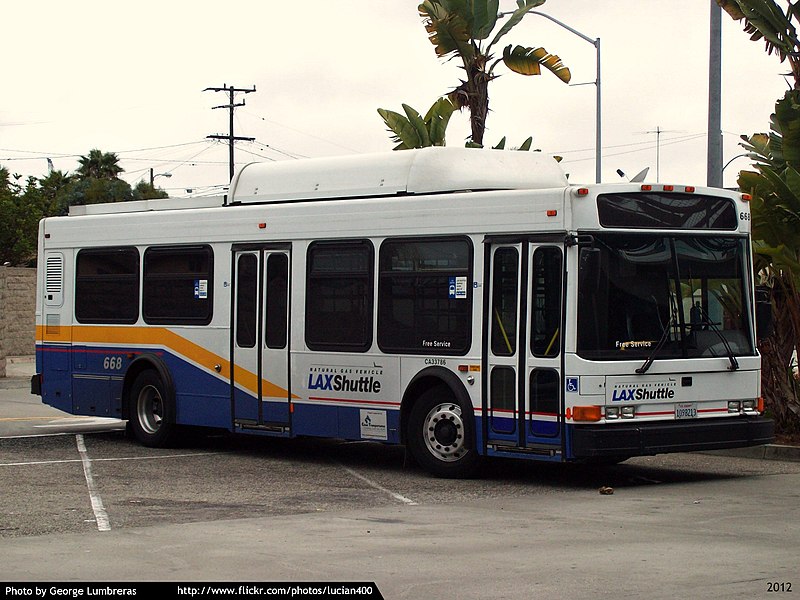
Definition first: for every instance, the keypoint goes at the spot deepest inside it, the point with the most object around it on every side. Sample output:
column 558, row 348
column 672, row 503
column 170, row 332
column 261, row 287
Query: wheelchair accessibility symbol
column 572, row 385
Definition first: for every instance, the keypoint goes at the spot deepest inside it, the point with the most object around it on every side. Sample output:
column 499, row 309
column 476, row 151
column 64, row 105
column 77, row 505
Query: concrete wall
column 17, row 313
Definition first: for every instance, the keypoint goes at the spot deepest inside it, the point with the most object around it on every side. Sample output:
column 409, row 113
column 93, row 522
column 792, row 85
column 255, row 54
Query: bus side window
column 178, row 285
column 107, row 285
column 425, row 296
column 339, row 292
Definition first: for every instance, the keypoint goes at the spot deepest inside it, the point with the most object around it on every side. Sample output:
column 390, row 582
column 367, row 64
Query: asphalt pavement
column 268, row 510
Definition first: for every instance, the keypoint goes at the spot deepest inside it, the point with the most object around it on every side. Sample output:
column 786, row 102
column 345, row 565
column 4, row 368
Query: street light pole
column 598, row 110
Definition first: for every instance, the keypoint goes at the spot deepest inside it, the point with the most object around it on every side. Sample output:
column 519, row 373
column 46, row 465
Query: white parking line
column 395, row 495
column 100, row 515
column 83, row 422
column 120, row 458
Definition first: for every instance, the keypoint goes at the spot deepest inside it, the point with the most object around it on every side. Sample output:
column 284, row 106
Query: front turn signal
column 586, row 413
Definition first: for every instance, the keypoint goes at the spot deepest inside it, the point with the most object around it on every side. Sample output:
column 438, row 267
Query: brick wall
column 17, row 313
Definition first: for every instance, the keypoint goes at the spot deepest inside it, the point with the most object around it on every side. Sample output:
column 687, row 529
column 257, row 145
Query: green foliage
column 765, row 20
column 414, row 131
column 459, row 29
column 775, row 187
column 525, row 146
column 20, row 211
column 147, row 191
column 775, row 209
column 23, row 206
column 529, row 61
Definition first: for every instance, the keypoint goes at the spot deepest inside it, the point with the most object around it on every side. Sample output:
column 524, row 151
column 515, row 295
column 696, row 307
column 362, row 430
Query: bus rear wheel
column 440, row 435
column 151, row 411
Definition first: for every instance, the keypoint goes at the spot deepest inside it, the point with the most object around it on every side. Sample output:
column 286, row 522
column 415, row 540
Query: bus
column 464, row 303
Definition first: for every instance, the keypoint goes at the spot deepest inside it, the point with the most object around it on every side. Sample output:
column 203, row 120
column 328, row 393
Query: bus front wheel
column 151, row 411
column 440, row 435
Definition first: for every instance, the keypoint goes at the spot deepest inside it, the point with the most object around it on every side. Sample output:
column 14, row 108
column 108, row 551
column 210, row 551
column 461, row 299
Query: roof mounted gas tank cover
column 422, row 171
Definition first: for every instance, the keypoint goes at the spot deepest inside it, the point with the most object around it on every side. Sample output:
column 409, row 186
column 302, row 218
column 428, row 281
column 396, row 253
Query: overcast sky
column 128, row 77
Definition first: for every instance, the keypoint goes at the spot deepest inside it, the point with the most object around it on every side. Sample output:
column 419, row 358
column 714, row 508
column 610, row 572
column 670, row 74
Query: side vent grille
column 54, row 280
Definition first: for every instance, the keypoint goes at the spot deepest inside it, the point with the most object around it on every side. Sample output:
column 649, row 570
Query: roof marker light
column 262, row 225
column 669, row 188
column 646, row 187
column 747, row 197
column 689, row 189
column 583, row 191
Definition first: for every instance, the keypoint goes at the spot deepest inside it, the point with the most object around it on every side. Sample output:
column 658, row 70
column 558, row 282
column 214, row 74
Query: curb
column 15, row 383
column 767, row 452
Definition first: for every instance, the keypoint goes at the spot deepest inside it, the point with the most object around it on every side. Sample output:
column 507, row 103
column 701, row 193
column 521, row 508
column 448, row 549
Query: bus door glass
column 260, row 361
column 503, row 345
column 524, row 345
column 543, row 365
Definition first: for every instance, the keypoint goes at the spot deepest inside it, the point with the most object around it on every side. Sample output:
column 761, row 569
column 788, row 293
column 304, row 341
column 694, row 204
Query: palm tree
column 463, row 30
column 99, row 165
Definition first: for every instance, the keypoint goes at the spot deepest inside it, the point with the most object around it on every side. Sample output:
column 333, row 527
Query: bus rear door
column 260, row 385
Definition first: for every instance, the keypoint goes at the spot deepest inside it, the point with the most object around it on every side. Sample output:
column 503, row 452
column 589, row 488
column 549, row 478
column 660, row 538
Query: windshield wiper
column 652, row 357
column 706, row 320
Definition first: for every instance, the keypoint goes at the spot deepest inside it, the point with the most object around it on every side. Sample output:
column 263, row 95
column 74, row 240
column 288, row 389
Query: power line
column 300, row 131
column 649, row 146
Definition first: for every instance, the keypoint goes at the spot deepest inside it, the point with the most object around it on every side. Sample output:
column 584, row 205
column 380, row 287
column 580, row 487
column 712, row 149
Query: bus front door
column 522, row 402
column 260, row 387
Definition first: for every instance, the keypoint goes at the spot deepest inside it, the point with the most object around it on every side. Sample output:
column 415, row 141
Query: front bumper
column 629, row 439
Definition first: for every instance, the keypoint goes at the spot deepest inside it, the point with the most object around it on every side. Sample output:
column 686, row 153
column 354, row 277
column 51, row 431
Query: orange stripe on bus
column 158, row 337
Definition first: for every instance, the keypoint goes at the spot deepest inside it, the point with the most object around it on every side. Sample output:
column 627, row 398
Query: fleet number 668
column 112, row 362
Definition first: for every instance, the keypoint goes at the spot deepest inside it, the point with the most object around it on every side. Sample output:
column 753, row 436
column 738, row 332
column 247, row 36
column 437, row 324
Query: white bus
column 465, row 303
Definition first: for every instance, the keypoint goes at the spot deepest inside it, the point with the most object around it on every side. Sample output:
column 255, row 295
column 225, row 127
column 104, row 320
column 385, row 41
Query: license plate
column 686, row 410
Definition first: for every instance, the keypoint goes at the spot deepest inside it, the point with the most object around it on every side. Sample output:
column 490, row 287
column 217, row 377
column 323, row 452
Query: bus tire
column 151, row 410
column 440, row 435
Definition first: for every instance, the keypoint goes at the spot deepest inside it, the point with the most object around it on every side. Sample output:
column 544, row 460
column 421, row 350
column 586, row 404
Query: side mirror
column 763, row 313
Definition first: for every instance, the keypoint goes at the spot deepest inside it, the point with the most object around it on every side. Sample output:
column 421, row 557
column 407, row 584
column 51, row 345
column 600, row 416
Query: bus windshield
column 663, row 296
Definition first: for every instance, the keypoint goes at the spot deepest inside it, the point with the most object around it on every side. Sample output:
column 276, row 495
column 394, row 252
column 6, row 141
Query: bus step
column 275, row 427
column 532, row 449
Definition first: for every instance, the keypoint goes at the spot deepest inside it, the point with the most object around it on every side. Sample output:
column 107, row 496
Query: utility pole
column 714, row 167
column 230, row 106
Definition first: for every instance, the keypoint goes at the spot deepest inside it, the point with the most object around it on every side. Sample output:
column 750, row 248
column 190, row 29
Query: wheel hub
column 444, row 432
column 150, row 409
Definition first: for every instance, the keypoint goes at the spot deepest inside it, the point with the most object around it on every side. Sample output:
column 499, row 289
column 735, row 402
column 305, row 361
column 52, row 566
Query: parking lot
column 83, row 504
